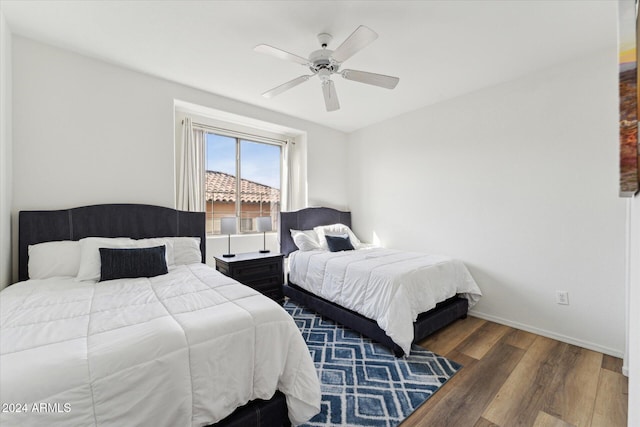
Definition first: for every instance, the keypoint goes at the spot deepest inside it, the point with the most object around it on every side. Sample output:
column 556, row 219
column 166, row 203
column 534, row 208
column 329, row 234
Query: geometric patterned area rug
column 362, row 382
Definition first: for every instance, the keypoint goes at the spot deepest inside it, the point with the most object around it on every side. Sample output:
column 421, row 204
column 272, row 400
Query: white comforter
column 389, row 286
column 182, row 349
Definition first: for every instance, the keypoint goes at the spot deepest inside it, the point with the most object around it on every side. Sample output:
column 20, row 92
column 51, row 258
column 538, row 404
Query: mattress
column 388, row 286
column 184, row 348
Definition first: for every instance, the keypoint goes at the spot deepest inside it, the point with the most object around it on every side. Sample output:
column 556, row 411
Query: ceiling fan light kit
column 325, row 62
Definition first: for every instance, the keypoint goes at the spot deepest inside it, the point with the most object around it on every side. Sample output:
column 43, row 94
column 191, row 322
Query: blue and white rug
column 363, row 383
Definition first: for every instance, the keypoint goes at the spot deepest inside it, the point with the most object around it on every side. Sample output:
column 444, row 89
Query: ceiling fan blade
column 281, row 54
column 285, row 86
column 381, row 80
column 360, row 38
column 330, row 96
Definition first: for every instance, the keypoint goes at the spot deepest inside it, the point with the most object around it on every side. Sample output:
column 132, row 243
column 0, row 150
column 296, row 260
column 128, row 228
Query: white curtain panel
column 191, row 186
column 285, row 179
column 285, row 189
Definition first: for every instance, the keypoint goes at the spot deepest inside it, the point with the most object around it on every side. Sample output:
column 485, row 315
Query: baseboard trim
column 569, row 340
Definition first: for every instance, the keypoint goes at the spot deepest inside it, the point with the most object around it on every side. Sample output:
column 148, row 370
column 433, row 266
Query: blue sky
column 259, row 162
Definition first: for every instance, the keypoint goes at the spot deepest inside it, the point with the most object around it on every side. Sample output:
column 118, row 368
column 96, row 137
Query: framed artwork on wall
column 628, row 84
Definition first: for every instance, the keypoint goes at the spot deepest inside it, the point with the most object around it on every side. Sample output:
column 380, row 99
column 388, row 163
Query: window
column 242, row 179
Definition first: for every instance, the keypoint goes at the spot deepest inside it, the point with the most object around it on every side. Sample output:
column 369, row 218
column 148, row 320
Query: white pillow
column 186, row 250
column 305, row 240
column 159, row 241
column 54, row 259
column 335, row 230
column 90, row 254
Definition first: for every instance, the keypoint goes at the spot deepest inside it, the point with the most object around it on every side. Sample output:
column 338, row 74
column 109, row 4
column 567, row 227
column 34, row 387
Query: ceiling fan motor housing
column 321, row 60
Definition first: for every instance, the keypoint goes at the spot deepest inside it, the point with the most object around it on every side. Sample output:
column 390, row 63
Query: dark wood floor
column 515, row 378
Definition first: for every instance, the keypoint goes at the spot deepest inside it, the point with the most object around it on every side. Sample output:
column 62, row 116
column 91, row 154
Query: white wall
column 90, row 132
column 520, row 181
column 5, row 153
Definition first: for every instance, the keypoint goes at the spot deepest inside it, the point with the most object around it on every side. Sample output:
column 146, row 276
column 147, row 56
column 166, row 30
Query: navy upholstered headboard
column 112, row 220
column 306, row 219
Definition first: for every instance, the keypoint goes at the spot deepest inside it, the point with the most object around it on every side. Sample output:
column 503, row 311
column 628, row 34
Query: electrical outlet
column 562, row 297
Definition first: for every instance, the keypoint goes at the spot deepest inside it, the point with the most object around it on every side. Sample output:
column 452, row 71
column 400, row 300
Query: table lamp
column 228, row 225
column 264, row 225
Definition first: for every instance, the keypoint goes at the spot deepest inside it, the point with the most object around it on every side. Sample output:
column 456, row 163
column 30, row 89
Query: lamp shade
column 264, row 223
column 228, row 225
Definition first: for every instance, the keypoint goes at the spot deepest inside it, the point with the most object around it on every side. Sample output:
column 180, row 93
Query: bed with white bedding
column 387, row 285
column 181, row 348
column 393, row 296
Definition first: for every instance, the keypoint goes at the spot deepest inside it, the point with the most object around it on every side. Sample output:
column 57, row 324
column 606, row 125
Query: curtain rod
column 238, row 133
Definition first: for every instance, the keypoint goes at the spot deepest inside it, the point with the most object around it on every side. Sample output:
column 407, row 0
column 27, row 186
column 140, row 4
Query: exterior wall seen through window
column 258, row 193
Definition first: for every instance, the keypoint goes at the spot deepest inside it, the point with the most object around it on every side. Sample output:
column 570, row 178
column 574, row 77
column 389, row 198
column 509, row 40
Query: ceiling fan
column 325, row 62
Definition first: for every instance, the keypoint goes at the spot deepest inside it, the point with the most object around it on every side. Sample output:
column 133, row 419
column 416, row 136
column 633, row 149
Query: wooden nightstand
column 262, row 272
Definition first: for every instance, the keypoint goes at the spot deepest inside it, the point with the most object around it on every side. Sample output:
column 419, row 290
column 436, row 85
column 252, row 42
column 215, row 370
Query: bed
column 335, row 284
column 189, row 347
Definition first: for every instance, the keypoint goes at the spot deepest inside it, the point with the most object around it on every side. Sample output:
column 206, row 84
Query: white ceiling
column 439, row 49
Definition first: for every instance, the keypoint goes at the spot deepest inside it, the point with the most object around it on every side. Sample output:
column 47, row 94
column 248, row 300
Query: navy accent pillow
column 339, row 243
column 132, row 262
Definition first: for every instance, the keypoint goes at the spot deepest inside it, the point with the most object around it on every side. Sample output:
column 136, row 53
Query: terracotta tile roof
column 221, row 187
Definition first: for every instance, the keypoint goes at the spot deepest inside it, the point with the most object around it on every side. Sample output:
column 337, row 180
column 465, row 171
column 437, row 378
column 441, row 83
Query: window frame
column 249, row 137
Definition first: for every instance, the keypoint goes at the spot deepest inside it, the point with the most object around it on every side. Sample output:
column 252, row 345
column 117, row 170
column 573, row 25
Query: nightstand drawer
column 270, row 287
column 248, row 271
column 223, row 268
column 263, row 283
